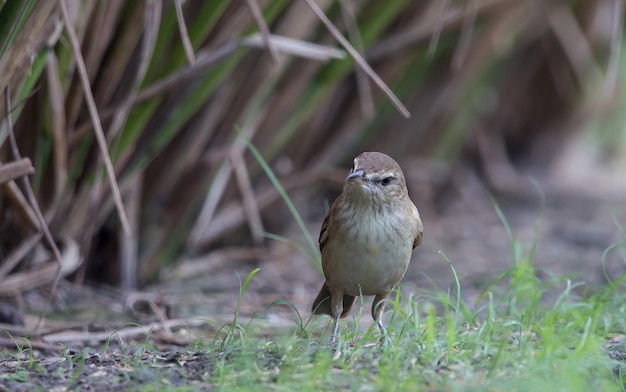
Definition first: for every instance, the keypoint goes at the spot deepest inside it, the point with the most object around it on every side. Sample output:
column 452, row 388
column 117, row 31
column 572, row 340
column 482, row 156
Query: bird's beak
column 355, row 174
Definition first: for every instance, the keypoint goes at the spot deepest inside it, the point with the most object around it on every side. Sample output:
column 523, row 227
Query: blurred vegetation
column 495, row 83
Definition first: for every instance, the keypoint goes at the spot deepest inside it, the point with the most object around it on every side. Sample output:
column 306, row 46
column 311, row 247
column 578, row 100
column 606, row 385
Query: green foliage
column 504, row 345
column 12, row 19
column 514, row 337
column 315, row 257
column 438, row 342
column 235, row 326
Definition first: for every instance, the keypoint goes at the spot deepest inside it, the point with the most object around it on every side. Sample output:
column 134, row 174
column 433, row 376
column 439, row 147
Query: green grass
column 523, row 334
column 503, row 344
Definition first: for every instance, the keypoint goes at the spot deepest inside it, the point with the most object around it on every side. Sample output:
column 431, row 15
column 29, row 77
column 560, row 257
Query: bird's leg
column 384, row 338
column 336, row 307
column 378, row 307
column 333, row 339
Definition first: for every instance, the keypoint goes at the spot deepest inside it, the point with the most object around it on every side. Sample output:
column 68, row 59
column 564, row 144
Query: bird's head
column 376, row 177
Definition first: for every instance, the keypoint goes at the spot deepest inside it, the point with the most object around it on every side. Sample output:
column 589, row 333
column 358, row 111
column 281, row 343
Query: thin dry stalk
column 204, row 61
column 247, row 195
column 123, row 333
column 93, row 111
column 187, row 268
column 129, row 243
column 575, row 45
column 617, row 30
column 184, row 36
column 421, row 32
column 59, row 135
column 29, row 342
column 295, row 47
column 434, row 38
column 43, row 274
column 469, row 21
column 35, row 206
column 16, row 169
column 213, row 198
column 363, row 85
column 207, row 59
column 150, row 32
column 17, row 254
column 358, row 58
column 232, row 215
column 265, row 31
column 21, row 203
column 220, row 181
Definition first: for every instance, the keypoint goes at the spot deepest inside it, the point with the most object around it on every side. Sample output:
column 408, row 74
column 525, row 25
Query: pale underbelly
column 367, row 270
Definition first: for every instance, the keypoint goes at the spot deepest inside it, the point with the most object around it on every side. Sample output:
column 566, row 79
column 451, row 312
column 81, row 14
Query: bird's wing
column 420, row 230
column 324, row 231
column 418, row 240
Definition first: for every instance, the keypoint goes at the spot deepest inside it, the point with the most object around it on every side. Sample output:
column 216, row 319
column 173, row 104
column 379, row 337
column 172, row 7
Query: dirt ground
column 579, row 221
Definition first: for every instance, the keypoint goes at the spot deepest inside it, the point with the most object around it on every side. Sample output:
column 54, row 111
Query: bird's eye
column 386, row 181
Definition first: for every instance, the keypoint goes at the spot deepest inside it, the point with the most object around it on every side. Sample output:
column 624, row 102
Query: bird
column 367, row 238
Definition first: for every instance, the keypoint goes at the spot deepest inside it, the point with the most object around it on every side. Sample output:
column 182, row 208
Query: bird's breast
column 368, row 251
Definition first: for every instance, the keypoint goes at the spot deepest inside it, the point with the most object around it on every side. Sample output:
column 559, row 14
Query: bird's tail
column 321, row 305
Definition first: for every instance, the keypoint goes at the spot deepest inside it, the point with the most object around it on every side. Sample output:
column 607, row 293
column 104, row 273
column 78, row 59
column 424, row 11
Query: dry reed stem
column 358, row 58
column 11, row 343
column 218, row 187
column 467, row 31
column 35, row 206
column 21, row 203
column 207, row 59
column 295, row 47
column 363, row 85
column 184, row 36
column 133, row 332
column 17, row 254
column 575, row 45
column 129, row 249
column 231, row 215
column 44, row 274
column 59, row 133
column 138, row 332
column 437, row 28
column 617, row 30
column 18, row 168
column 150, row 32
column 204, row 61
column 265, row 31
column 187, row 267
column 93, row 111
column 255, row 223
column 129, row 244
column 423, row 31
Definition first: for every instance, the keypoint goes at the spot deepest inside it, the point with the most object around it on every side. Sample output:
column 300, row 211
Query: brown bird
column 367, row 238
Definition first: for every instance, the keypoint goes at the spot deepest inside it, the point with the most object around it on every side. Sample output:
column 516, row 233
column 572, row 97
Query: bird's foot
column 384, row 338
